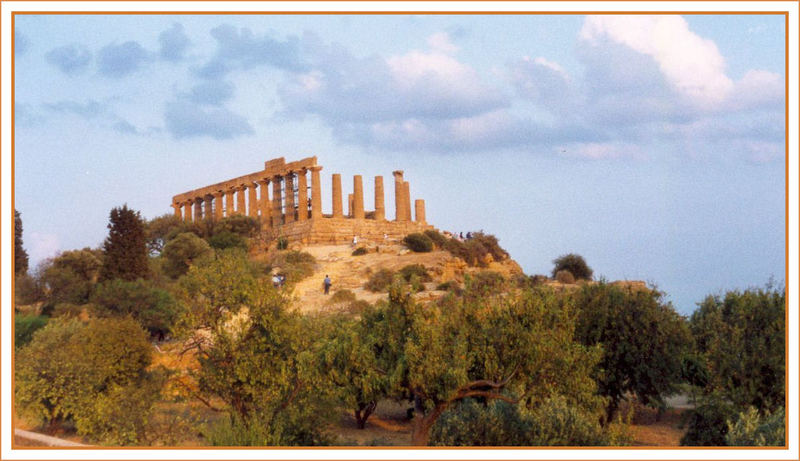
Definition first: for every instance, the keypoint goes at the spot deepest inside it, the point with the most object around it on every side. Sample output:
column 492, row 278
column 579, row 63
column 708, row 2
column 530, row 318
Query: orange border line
column 786, row 192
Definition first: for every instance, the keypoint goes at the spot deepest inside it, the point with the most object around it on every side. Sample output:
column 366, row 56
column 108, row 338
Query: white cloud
column 692, row 65
column 440, row 42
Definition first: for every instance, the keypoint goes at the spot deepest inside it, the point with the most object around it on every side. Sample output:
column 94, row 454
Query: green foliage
column 227, row 239
column 360, row 251
column 241, row 225
column 182, row 252
column 418, row 270
column 450, row 285
column 70, row 371
column 162, row 229
column 490, row 243
column 491, row 347
column 260, row 364
column 643, row 341
column 152, row 307
column 258, row 432
column 752, row 429
column 125, row 249
column 708, row 423
column 473, row 424
column 70, row 277
column 565, row 276
column 25, row 326
column 485, row 283
column 741, row 338
column 27, row 290
column 475, row 250
column 498, row 423
column 342, row 296
column 20, row 255
column 283, row 243
column 379, row 281
column 418, row 243
column 295, row 265
column 348, row 359
column 438, row 239
column 573, row 263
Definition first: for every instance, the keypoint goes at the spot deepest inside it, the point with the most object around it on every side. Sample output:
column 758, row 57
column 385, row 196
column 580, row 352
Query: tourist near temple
column 287, row 199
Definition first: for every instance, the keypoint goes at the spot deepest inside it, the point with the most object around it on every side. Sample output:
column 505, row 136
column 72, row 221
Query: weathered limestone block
column 358, row 197
column 407, row 200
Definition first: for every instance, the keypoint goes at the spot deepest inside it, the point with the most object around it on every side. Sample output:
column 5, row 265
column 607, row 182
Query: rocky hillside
column 352, row 272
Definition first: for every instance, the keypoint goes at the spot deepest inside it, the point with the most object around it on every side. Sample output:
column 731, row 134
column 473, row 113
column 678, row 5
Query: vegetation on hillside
column 499, row 361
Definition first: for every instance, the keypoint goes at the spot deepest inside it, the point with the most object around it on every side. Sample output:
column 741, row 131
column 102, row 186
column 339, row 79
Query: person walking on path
column 327, row 283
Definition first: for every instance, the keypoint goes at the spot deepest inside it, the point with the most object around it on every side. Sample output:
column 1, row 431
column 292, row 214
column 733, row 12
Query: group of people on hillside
column 458, row 235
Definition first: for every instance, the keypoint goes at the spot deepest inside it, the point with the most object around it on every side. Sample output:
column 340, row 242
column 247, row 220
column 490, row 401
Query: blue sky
column 651, row 145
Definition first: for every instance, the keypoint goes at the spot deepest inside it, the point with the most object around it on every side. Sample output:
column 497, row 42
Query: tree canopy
column 20, row 255
column 125, row 248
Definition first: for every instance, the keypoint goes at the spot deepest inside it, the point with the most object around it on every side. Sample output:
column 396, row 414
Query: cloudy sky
column 651, row 145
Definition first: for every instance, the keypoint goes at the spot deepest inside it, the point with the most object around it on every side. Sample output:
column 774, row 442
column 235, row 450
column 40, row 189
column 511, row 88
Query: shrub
column 485, row 282
column 438, row 239
column 565, row 276
column 152, row 307
column 415, row 269
column 295, row 265
column 450, row 285
column 360, row 251
column 498, row 423
column 67, row 310
column 244, row 226
column 379, row 281
column 283, row 243
column 227, row 239
column 342, row 296
column 184, row 250
column 490, row 243
column 418, row 243
column 575, row 264
column 25, row 326
column 754, row 429
column 71, row 371
column 27, row 290
column 708, row 424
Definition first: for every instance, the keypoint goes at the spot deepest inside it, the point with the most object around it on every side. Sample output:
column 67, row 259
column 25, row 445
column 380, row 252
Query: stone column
column 177, row 208
column 399, row 214
column 316, row 193
column 419, row 210
column 288, row 189
column 218, row 204
column 187, row 211
column 407, row 200
column 337, row 195
column 208, row 212
column 241, row 206
column 198, row 209
column 229, row 202
column 302, row 196
column 380, row 210
column 349, row 205
column 277, row 207
column 358, row 197
column 266, row 205
column 252, row 201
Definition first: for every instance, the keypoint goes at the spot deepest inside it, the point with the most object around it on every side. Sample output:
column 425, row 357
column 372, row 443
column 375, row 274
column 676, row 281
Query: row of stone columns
column 247, row 201
column 280, row 209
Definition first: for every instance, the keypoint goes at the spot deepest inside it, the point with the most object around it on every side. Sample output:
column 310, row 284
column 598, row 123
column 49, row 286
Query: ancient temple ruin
column 278, row 196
